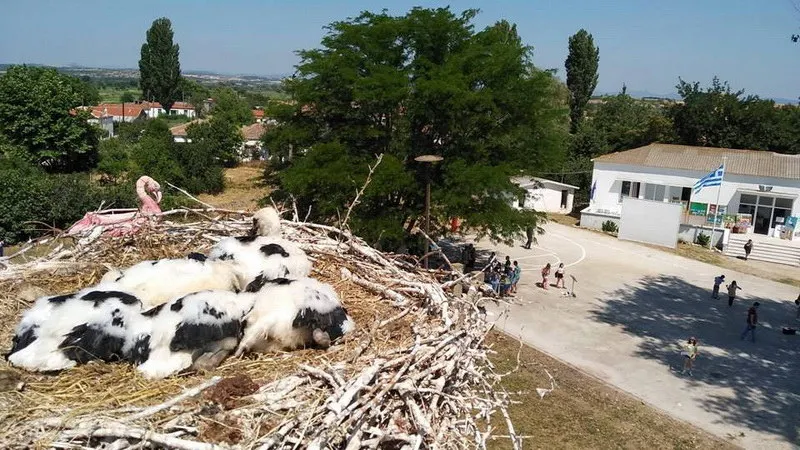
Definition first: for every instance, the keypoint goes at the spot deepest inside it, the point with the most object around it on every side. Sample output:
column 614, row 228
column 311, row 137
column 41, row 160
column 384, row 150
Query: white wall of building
column 608, row 179
column 650, row 222
column 548, row 196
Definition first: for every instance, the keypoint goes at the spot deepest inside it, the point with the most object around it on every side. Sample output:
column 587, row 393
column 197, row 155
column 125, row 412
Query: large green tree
column 582, row 62
column 720, row 117
column 159, row 66
column 423, row 83
column 230, row 106
column 221, row 136
column 37, row 117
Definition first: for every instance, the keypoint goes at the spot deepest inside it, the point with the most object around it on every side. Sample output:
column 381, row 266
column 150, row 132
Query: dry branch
column 418, row 377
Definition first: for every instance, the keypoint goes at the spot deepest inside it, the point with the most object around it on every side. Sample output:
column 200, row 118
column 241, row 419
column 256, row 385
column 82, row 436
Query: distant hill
column 675, row 96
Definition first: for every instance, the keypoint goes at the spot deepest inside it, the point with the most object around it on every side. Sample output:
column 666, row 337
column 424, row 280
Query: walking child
column 545, row 275
column 748, row 247
column 529, row 234
column 752, row 320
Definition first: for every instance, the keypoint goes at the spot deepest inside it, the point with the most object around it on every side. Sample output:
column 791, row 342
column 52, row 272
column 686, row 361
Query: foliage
column 703, row 239
column 35, row 117
column 194, row 93
column 228, row 105
column 127, row 97
column 221, row 138
column 422, row 83
column 159, row 66
column 154, row 154
column 85, row 90
column 581, row 64
column 610, row 227
column 721, row 117
column 31, row 199
column 114, row 159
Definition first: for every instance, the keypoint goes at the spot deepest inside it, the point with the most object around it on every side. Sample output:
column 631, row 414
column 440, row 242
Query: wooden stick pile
column 435, row 388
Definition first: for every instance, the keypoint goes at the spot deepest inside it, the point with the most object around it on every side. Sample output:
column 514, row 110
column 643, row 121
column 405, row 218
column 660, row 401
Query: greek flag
column 712, row 179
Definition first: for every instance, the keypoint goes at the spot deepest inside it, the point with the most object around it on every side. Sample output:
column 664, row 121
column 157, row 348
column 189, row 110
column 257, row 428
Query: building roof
column 176, row 105
column 180, row 130
column 532, row 181
column 253, row 132
column 115, row 109
column 258, row 113
column 757, row 163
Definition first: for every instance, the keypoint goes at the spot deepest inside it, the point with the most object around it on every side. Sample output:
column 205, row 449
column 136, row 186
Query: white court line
column 583, row 250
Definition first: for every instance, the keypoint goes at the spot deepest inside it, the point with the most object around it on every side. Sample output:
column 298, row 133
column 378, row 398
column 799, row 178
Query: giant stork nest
column 415, row 373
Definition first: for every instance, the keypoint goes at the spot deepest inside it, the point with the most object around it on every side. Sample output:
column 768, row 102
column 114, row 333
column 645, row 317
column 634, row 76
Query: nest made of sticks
column 414, row 373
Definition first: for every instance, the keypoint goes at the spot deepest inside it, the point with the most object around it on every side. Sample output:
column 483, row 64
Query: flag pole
column 716, row 210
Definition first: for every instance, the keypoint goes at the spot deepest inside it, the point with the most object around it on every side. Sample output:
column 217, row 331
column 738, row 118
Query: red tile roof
column 258, row 113
column 180, row 130
column 253, row 132
column 115, row 109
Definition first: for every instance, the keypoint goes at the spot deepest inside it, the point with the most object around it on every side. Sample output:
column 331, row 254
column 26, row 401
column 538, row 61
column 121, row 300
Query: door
column 761, row 220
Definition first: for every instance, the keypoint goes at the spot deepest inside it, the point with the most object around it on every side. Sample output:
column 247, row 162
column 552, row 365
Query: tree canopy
column 582, row 62
column 230, row 106
column 159, row 65
column 39, row 122
column 422, row 83
column 720, row 117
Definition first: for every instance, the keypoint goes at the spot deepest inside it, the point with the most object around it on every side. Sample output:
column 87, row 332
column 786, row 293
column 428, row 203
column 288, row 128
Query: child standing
column 560, row 276
column 732, row 292
column 689, row 355
column 517, row 274
column 717, row 282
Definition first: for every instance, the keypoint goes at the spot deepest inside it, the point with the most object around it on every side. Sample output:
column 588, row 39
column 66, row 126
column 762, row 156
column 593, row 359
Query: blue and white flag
column 712, row 179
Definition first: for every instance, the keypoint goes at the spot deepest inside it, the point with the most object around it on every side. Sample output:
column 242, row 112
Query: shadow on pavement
column 762, row 378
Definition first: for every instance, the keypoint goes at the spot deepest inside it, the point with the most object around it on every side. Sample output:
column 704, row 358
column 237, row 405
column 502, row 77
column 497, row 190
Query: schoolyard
column 633, row 307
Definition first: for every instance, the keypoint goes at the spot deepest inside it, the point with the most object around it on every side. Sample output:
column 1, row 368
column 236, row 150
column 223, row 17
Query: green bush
column 610, row 227
column 31, row 201
column 703, row 239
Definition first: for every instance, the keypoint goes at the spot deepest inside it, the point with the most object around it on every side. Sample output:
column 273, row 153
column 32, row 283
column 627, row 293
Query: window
column 748, row 199
column 766, row 201
column 629, row 189
column 675, row 194
column 654, row 192
column 783, row 203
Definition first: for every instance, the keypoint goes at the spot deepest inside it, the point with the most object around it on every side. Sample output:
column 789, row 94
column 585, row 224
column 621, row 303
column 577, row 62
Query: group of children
column 732, row 288
column 503, row 277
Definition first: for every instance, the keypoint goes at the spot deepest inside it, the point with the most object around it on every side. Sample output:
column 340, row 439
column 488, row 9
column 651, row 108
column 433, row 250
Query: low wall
column 688, row 233
column 594, row 220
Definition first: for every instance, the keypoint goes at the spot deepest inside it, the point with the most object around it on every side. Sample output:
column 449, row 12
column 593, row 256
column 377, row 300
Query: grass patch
column 114, row 95
column 564, row 219
column 582, row 412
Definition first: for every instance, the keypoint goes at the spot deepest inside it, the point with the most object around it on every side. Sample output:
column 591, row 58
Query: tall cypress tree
column 581, row 64
column 159, row 67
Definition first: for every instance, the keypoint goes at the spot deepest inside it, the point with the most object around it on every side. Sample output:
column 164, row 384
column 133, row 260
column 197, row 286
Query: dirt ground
column 582, row 411
column 244, row 188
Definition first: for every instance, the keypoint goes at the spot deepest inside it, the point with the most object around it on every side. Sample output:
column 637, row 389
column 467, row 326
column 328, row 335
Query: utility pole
column 429, row 160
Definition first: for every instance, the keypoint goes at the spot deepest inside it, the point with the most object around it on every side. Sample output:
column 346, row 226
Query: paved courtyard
column 634, row 305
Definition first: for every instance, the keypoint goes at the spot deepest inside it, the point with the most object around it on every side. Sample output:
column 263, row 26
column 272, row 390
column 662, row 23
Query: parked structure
column 179, row 132
column 545, row 195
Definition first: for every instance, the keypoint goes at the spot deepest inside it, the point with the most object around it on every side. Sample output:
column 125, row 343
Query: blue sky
column 646, row 44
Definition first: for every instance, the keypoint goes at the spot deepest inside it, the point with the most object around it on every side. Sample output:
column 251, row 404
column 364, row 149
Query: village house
column 758, row 199
column 253, row 147
column 179, row 132
column 545, row 195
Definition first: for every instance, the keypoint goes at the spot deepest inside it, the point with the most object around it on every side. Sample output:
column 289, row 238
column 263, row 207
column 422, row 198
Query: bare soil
column 244, row 188
column 582, row 411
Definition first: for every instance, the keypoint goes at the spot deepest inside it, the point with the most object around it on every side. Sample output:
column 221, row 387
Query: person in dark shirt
column 748, row 247
column 752, row 320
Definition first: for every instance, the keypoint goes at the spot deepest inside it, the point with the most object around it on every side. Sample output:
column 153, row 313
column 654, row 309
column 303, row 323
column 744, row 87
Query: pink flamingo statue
column 122, row 222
